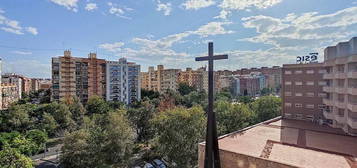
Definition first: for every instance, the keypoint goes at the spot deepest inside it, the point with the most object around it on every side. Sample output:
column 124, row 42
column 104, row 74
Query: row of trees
column 109, row 134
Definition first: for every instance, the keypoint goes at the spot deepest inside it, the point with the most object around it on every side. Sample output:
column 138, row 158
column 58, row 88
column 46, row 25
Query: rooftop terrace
column 287, row 143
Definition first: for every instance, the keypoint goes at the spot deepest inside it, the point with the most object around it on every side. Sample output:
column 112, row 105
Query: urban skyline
column 254, row 34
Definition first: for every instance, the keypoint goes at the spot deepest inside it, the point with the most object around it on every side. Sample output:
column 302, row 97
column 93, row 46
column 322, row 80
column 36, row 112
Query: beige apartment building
column 341, row 89
column 193, row 78
column 302, row 91
column 74, row 76
column 9, row 95
column 161, row 79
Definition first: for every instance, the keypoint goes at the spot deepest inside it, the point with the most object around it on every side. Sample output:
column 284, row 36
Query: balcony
column 328, row 89
column 340, row 90
column 328, row 102
column 352, row 107
column 352, row 59
column 328, row 114
column 352, row 122
column 352, row 91
column 340, row 104
column 352, row 75
column 329, row 76
column 341, row 75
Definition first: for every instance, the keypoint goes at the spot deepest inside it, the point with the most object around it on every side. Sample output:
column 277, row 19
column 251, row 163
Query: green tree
column 77, row 110
column 232, row 117
column 178, row 131
column 105, row 141
column 140, row 117
column 245, row 99
column 185, row 89
column 149, row 94
column 195, row 98
column 266, row 107
column 38, row 137
column 96, row 105
column 17, row 141
column 49, row 124
column 18, row 117
column 11, row 158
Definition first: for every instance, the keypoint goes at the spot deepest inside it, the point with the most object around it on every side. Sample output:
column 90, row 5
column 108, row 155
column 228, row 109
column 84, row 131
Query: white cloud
column 247, row 4
column 2, row 11
column 148, row 50
column 235, row 5
column 29, row 68
column 165, row 7
column 22, row 52
column 13, row 26
column 32, row 30
column 197, row 4
column 112, row 47
column 213, row 28
column 307, row 30
column 69, row 4
column 118, row 11
column 91, row 6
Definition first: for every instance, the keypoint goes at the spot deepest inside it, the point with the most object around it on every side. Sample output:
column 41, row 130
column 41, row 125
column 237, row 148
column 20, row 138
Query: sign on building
column 311, row 58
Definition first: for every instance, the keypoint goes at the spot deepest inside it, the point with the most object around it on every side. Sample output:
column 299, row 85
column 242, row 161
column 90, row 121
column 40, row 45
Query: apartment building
column 341, row 77
column 10, row 94
column 123, row 81
column 272, row 75
column 192, row 77
column 302, row 91
column 161, row 79
column 18, row 80
column 81, row 77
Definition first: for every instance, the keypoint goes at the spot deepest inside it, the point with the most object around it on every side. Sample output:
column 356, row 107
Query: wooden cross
column 212, row 151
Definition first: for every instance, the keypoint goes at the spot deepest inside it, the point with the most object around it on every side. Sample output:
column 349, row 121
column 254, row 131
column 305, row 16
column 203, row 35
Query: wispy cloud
column 91, row 6
column 22, row 52
column 118, row 11
column 164, row 7
column 197, row 4
column 68, row 4
column 13, row 26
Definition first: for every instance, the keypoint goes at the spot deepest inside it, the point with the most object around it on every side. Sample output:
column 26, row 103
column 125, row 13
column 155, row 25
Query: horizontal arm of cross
column 216, row 57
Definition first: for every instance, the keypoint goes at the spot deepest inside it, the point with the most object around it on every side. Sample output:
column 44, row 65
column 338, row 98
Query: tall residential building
column 161, row 79
column 192, row 77
column 11, row 78
column 9, row 94
column 272, row 75
column 302, row 91
column 123, row 81
column 81, row 77
column 341, row 77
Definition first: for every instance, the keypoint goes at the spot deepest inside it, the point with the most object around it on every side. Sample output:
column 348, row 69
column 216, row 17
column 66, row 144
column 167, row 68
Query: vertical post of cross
column 212, row 159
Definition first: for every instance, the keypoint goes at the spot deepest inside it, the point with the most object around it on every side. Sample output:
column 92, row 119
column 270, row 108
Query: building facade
column 160, row 80
column 10, row 94
column 11, row 78
column 341, row 77
column 81, row 77
column 123, row 81
column 302, row 91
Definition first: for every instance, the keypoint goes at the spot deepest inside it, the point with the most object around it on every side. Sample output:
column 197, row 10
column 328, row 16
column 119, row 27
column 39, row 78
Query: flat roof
column 295, row 143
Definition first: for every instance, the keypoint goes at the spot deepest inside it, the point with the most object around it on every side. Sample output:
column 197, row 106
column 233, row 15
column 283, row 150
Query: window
column 287, row 104
column 310, row 94
column 310, row 71
column 298, row 83
column 287, row 93
column 321, row 106
column 322, row 71
column 288, row 83
column 287, row 115
column 298, row 116
column 323, row 95
column 309, row 117
column 310, row 83
column 322, row 83
column 298, row 94
column 298, row 72
column 298, row 105
column 310, row 106
column 287, row 72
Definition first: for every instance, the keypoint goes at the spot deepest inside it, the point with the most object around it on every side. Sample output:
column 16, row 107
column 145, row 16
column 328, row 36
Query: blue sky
column 253, row 33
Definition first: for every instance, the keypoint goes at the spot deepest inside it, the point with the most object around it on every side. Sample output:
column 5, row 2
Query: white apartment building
column 122, row 81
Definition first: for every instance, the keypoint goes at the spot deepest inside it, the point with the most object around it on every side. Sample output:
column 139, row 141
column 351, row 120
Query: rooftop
column 294, row 143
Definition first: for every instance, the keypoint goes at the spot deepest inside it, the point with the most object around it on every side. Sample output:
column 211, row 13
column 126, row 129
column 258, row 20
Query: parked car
column 148, row 165
column 159, row 164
